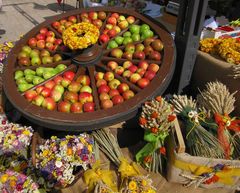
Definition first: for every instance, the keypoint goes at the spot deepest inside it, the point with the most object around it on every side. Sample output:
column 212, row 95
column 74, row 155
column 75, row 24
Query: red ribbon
column 225, row 122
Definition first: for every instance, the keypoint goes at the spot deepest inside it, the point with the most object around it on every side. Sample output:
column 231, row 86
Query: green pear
column 21, row 80
column 29, row 71
column 37, row 80
column 48, row 74
column 60, row 67
column 29, row 78
column 18, row 74
column 144, row 27
column 23, row 87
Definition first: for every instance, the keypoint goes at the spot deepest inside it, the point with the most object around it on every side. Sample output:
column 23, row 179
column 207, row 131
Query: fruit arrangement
column 77, row 78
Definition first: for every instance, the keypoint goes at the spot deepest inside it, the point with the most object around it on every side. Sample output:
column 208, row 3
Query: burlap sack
column 181, row 166
column 210, row 68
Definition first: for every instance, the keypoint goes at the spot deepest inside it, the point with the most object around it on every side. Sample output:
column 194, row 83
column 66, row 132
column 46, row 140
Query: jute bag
column 199, row 171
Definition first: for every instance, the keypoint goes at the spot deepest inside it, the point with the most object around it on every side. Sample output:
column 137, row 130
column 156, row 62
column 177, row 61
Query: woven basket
column 38, row 140
column 183, row 168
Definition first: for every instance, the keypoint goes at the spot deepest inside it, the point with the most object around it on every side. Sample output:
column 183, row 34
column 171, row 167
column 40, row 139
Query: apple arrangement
column 45, row 39
column 110, row 89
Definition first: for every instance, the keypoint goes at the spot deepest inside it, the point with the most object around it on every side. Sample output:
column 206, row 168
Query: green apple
column 23, row 87
column 21, row 80
column 135, row 37
column 37, row 80
column 35, row 61
column 147, row 34
column 29, row 78
column 112, row 44
column 134, row 29
column 119, row 40
column 18, row 74
column 144, row 27
column 34, row 53
column 39, row 71
column 127, row 40
column 29, row 71
column 127, row 34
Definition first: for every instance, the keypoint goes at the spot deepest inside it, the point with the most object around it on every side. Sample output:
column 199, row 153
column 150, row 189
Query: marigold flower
column 132, row 185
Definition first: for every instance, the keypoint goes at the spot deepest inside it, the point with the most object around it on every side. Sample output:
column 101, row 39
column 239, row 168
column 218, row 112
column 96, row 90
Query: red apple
column 70, row 96
column 58, row 79
column 76, row 107
column 89, row 107
column 112, row 20
column 117, row 99
column 101, row 82
column 108, row 76
column 149, row 75
column 116, row 15
column 86, row 89
column 105, row 31
column 102, row 15
column 46, row 92
column 157, row 45
column 128, row 94
column 143, row 64
column 130, row 19
column 41, row 44
column 135, row 77
column 84, row 80
column 49, row 104
column 43, row 30
column 50, row 39
column 56, row 95
column 114, row 83
column 50, row 34
column 40, row 37
column 30, row 95
column 127, row 55
column 127, row 64
column 139, row 47
column 106, row 104
column 113, row 92
column 104, row 96
column 117, row 29
column 32, row 42
column 56, row 24
column 69, row 75
column 111, row 33
column 50, row 84
column 139, row 55
column 24, row 61
column 74, row 86
column 112, row 65
column 99, row 75
column 119, row 70
column 49, row 46
column 123, row 24
column 63, row 21
column 123, row 87
column 61, row 29
column 85, row 97
column 153, row 67
column 72, row 18
column 58, row 41
column 143, row 82
column 103, row 88
column 97, row 22
column 84, row 15
column 38, row 100
column 155, row 55
column 148, row 41
column 39, row 89
column 133, row 68
column 141, row 72
column 130, row 47
column 104, row 38
column 148, row 50
column 93, row 15
column 127, row 74
column 64, row 106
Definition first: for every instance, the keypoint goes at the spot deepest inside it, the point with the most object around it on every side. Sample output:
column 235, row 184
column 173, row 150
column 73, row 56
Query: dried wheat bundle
column 199, row 141
column 217, row 98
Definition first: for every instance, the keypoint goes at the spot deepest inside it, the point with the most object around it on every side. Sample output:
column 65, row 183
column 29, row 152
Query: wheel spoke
column 80, row 71
column 91, row 70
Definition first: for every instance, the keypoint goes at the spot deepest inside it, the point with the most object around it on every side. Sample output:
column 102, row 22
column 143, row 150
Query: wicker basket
column 192, row 170
column 36, row 141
